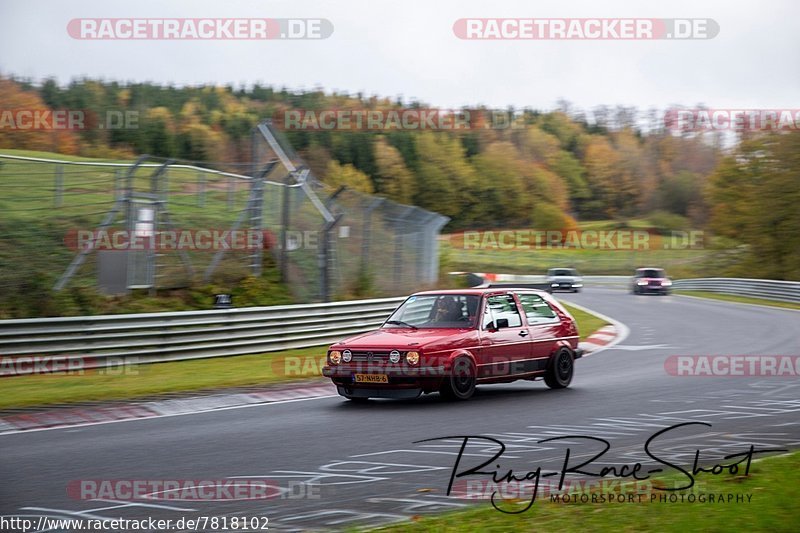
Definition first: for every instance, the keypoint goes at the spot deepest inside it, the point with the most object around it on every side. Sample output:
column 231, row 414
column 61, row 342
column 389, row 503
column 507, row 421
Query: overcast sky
column 408, row 48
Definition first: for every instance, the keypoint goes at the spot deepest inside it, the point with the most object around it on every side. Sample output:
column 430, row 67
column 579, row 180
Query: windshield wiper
column 401, row 323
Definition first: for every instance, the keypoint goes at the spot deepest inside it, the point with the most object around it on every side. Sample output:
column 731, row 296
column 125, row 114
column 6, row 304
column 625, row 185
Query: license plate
column 372, row 378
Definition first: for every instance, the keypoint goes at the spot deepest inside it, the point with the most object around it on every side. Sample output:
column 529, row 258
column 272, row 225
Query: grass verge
column 587, row 322
column 739, row 299
column 183, row 376
column 772, row 485
column 158, row 378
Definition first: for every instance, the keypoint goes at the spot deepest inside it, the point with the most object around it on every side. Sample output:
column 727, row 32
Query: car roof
column 649, row 268
column 478, row 291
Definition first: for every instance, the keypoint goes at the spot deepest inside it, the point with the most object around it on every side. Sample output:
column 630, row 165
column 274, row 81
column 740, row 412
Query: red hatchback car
column 450, row 341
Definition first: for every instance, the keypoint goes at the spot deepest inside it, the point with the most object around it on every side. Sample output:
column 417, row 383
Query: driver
column 447, row 309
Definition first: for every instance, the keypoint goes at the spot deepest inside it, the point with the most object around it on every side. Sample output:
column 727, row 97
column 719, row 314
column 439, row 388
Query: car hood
column 400, row 338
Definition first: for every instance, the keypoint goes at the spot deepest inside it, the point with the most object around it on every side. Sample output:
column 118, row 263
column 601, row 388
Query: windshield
column 436, row 311
column 562, row 272
column 652, row 273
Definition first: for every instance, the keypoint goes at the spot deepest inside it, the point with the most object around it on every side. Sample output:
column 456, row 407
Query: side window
column 488, row 317
column 537, row 310
column 502, row 306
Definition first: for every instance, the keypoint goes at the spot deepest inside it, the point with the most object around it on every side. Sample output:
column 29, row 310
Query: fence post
column 201, row 189
column 59, row 197
column 118, row 188
column 285, row 218
column 366, row 234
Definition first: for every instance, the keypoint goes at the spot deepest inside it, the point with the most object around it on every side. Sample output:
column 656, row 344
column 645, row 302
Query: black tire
column 459, row 384
column 560, row 370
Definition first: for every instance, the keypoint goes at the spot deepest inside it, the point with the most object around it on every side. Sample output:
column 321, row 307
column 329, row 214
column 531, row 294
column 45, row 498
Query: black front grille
column 375, row 356
column 655, row 283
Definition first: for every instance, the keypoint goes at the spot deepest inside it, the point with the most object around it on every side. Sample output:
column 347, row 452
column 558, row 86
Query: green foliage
column 549, row 217
column 666, row 222
column 258, row 291
column 680, row 191
column 555, row 163
column 755, row 195
column 349, row 176
column 482, row 177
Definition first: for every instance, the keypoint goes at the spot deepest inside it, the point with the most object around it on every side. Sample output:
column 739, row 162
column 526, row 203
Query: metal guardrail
column 784, row 291
column 540, row 279
column 112, row 340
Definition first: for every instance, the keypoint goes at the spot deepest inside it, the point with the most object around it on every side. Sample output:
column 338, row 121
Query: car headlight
column 394, row 356
column 412, row 358
column 346, row 356
column 554, row 284
column 666, row 283
column 577, row 284
column 335, row 357
column 640, row 282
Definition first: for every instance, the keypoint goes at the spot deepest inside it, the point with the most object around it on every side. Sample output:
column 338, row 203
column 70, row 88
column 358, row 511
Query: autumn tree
column 754, row 195
column 347, row 175
column 392, row 177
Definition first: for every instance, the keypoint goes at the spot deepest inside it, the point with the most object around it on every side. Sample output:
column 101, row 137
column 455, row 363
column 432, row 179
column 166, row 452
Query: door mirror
column 501, row 323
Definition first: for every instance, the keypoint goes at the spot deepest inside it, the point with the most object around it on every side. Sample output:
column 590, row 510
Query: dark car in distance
column 450, row 341
column 564, row 279
column 650, row 280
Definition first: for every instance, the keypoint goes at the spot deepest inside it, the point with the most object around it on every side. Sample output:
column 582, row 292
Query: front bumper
column 349, row 371
column 374, row 392
column 565, row 286
column 402, row 382
column 654, row 288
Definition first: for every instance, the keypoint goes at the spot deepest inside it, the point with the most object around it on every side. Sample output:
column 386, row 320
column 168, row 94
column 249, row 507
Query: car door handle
column 523, row 333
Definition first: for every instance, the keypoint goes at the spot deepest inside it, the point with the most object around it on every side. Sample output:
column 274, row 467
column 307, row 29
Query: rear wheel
column 460, row 383
column 560, row 370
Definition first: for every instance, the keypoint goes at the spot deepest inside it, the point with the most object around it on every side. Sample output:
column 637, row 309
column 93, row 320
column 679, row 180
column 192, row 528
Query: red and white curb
column 605, row 337
column 599, row 339
column 65, row 417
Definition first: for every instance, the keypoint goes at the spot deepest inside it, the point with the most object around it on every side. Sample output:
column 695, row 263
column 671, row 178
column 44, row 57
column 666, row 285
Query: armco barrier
column 784, row 291
column 110, row 340
column 537, row 279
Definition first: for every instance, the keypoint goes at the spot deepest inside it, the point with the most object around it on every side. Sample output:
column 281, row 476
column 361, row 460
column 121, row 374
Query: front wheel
column 460, row 383
column 560, row 370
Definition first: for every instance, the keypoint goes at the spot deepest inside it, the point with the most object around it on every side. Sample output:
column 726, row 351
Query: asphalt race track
column 361, row 464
